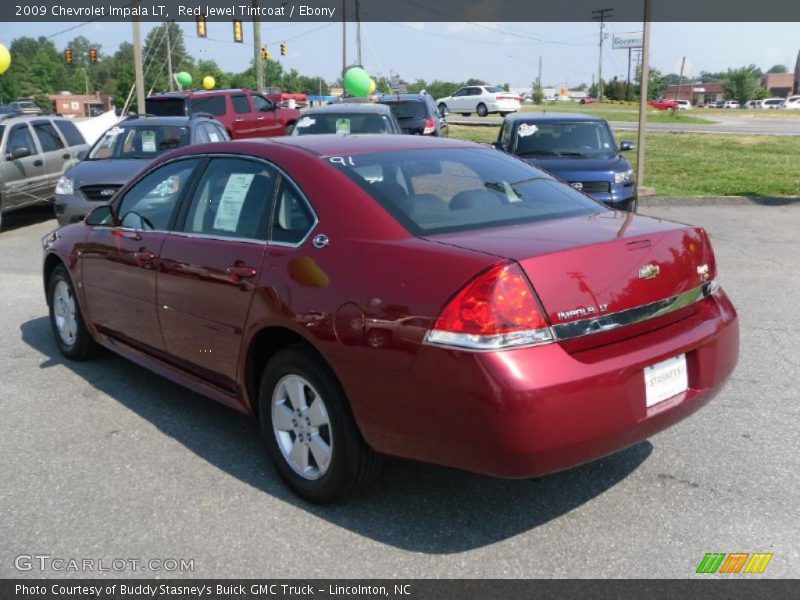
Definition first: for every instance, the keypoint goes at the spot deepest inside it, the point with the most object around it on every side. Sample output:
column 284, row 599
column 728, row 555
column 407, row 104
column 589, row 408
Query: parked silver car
column 35, row 150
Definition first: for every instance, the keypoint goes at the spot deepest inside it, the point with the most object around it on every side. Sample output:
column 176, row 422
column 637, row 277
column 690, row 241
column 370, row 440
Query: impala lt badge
column 582, row 311
column 649, row 271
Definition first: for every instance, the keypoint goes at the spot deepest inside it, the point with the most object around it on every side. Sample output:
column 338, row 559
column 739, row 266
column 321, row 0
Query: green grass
column 622, row 112
column 687, row 164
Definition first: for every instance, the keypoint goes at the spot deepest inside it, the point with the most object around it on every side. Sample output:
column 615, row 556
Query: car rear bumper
column 532, row 411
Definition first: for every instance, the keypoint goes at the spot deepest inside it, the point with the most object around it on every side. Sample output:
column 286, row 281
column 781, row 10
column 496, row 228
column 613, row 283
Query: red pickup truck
column 278, row 96
column 244, row 113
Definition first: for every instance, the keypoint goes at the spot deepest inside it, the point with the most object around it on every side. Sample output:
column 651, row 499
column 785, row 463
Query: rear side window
column 48, row 136
column 70, row 133
column 457, row 189
column 292, row 218
column 240, row 104
column 213, row 105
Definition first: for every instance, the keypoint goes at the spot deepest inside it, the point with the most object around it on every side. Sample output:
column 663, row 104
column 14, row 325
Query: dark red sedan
column 419, row 297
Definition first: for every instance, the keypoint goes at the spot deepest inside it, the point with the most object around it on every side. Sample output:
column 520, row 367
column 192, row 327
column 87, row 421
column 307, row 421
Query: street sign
column 627, row 40
column 394, row 82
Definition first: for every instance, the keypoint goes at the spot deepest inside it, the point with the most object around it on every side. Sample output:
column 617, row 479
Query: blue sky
column 496, row 52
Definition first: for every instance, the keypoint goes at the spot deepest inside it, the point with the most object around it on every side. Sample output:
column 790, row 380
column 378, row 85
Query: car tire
column 309, row 431
column 66, row 320
column 482, row 110
column 442, row 108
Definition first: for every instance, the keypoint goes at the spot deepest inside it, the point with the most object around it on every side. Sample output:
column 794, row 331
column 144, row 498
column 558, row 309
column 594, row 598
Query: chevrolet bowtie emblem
column 649, row 271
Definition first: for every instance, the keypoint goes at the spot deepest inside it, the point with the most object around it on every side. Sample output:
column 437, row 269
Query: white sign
column 627, row 40
column 230, row 205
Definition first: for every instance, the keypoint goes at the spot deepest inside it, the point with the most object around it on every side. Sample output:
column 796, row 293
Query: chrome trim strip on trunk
column 575, row 329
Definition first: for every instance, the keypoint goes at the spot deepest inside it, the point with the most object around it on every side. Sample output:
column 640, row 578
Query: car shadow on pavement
column 412, row 506
column 31, row 215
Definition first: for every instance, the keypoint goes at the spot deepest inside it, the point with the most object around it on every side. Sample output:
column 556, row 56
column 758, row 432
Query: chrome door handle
column 241, row 271
column 238, row 120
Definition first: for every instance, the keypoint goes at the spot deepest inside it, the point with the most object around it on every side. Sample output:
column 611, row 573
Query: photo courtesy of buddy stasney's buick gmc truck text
column 413, row 296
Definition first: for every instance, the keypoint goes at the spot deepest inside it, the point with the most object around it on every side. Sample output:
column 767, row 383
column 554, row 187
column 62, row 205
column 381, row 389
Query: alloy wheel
column 302, row 427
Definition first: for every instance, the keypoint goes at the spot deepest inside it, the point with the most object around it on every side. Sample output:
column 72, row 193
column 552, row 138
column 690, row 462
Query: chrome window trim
column 599, row 324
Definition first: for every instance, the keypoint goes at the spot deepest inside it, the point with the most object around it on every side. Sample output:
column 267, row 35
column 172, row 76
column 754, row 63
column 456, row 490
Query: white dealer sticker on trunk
column 665, row 379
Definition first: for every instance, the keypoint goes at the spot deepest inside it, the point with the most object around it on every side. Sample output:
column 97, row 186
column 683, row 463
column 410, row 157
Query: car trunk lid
column 602, row 264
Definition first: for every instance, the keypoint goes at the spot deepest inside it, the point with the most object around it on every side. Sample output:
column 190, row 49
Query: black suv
column 417, row 114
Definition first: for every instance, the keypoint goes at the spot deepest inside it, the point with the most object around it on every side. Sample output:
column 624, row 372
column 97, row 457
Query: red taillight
column 496, row 310
column 430, row 126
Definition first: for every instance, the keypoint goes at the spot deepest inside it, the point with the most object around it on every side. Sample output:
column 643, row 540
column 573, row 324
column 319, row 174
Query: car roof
column 188, row 93
column 330, row 145
column 543, row 117
column 15, row 117
column 344, row 107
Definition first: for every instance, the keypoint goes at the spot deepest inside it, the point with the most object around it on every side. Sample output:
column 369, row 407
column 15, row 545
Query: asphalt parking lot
column 104, row 460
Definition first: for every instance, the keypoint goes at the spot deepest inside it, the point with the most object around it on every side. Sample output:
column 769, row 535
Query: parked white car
column 792, row 102
column 772, row 103
column 730, row 104
column 684, row 104
column 480, row 99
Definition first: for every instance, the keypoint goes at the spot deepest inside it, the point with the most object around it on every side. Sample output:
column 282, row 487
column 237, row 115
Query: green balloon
column 184, row 78
column 357, row 82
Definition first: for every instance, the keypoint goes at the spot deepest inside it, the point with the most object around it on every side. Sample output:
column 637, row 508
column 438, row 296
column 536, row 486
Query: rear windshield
column 494, row 89
column 343, row 123
column 456, row 189
column 408, row 109
column 565, row 139
column 143, row 141
column 165, row 107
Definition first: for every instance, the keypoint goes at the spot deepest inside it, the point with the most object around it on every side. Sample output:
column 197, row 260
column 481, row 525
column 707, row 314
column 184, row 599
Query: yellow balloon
column 208, row 82
column 5, row 59
column 372, row 86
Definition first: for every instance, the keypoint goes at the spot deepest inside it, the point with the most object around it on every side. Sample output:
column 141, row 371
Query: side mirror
column 18, row 152
column 101, row 215
column 82, row 154
column 625, row 146
column 498, row 145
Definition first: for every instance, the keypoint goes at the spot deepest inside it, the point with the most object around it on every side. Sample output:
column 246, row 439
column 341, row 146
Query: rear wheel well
column 266, row 344
column 50, row 263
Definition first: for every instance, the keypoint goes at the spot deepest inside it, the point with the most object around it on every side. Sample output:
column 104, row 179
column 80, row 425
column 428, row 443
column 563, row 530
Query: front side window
column 20, row 137
column 461, row 92
column 49, row 139
column 260, row 103
column 150, row 203
column 140, row 141
column 578, row 139
column 457, row 189
column 232, row 199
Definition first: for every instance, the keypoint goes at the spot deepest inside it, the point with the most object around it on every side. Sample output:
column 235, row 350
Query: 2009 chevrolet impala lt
column 425, row 298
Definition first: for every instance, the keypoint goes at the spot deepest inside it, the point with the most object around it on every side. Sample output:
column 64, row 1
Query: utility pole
column 628, row 82
column 601, row 15
column 344, row 38
column 137, row 58
column 539, row 79
column 358, row 34
column 169, row 58
column 645, row 79
column 258, row 62
column 680, row 80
